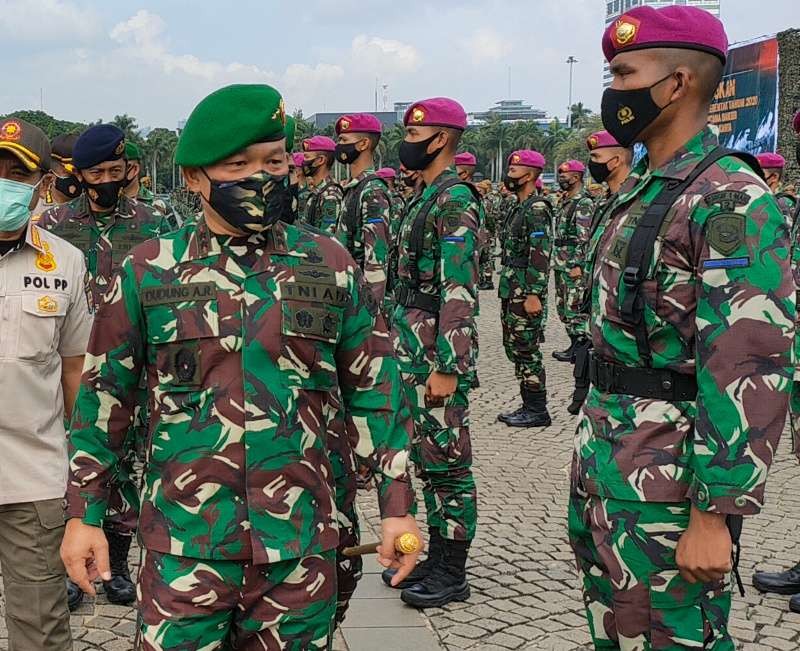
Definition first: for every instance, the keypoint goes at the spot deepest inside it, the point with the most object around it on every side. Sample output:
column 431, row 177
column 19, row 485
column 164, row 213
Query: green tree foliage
column 47, row 123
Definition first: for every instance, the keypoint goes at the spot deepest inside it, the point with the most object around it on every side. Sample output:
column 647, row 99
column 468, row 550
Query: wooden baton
column 408, row 543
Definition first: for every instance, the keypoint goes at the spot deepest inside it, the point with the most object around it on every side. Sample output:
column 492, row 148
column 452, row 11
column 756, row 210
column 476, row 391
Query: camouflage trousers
column 441, row 451
column 522, row 335
column 349, row 570
column 570, row 293
column 635, row 598
column 191, row 604
column 486, row 259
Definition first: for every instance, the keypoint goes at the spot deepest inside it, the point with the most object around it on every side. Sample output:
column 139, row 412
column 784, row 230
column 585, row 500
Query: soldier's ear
column 194, row 178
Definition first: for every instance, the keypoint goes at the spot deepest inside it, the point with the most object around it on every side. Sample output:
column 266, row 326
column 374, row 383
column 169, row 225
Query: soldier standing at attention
column 692, row 311
column 524, row 276
column 436, row 343
column 609, row 163
column 245, row 327
column 465, row 168
column 105, row 224
column 43, row 334
column 773, row 165
column 324, row 205
column 364, row 225
column 573, row 218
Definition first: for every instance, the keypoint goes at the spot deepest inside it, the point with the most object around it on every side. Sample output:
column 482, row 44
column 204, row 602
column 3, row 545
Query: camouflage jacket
column 324, row 206
column 719, row 304
column 526, row 250
column 246, row 344
column 448, row 270
column 572, row 222
column 506, row 207
column 367, row 238
column 491, row 205
column 104, row 240
column 787, row 202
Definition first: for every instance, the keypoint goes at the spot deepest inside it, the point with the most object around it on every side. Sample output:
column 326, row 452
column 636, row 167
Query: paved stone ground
column 523, row 581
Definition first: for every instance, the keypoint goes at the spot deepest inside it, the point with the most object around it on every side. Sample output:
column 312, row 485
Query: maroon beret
column 572, row 166
column 466, row 159
column 319, row 143
column 436, row 112
column 601, row 139
column 358, row 123
column 527, row 158
column 771, row 161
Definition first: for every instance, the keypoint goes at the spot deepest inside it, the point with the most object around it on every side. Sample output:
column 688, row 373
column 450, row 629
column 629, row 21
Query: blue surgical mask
column 15, row 201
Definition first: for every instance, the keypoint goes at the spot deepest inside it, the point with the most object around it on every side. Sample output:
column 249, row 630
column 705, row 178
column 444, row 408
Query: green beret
column 132, row 151
column 229, row 120
column 290, row 129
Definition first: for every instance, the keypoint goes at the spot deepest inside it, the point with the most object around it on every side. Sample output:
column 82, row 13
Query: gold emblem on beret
column 11, row 130
column 625, row 31
column 625, row 114
column 305, row 145
column 592, row 142
column 344, row 125
column 280, row 112
column 120, row 148
column 564, row 167
column 417, row 115
column 515, row 159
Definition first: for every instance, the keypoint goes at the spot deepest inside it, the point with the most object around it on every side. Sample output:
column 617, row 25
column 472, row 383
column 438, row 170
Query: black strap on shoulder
column 351, row 201
column 416, row 240
column 794, row 200
column 643, row 239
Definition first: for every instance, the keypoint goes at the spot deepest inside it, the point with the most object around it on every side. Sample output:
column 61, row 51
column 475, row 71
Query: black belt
column 515, row 263
column 655, row 383
column 564, row 241
column 408, row 297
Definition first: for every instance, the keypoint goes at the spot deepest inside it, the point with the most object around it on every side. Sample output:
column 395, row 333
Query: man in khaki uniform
column 44, row 329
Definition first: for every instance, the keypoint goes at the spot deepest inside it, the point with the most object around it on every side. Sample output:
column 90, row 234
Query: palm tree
column 127, row 124
column 159, row 147
column 392, row 139
column 578, row 115
column 494, row 137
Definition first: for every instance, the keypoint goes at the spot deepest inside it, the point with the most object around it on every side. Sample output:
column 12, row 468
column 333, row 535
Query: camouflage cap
column 229, row 120
column 27, row 142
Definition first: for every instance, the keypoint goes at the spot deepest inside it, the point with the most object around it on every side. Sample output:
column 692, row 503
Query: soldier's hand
column 533, row 305
column 84, row 551
column 439, row 387
column 388, row 556
column 575, row 272
column 704, row 550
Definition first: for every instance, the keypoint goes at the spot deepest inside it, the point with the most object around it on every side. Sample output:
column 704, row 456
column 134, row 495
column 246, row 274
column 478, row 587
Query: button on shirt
column 43, row 317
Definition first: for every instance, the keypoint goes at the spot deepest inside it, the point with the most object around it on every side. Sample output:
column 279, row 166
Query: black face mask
column 105, row 195
column 415, row 156
column 309, row 169
column 408, row 180
column 599, row 171
column 512, row 183
column 626, row 113
column 69, row 186
column 347, row 154
column 566, row 184
column 252, row 204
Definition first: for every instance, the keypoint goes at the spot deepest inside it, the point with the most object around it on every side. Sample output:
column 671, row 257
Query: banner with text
column 745, row 107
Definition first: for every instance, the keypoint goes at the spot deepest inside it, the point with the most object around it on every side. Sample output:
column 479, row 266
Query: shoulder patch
column 725, row 232
column 728, row 200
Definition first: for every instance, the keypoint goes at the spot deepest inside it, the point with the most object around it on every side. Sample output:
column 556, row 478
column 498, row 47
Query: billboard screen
column 745, row 107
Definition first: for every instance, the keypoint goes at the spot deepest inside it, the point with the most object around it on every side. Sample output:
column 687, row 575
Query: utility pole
column 571, row 61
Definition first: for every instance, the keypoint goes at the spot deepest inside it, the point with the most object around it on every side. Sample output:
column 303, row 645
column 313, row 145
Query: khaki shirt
column 44, row 316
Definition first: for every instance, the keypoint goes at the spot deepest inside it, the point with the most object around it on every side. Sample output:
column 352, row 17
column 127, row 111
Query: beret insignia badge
column 417, row 115
column 515, row 159
column 119, row 148
column 625, row 31
column 11, row 130
column 344, row 125
column 592, row 142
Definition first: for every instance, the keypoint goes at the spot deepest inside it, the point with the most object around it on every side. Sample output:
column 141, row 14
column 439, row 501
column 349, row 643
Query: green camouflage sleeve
column 379, row 423
column 583, row 226
column 107, row 398
column 533, row 278
column 376, row 213
column 744, row 325
column 330, row 210
column 457, row 219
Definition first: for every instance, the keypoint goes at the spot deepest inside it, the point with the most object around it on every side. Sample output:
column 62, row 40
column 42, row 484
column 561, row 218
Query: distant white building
column 615, row 8
column 509, row 110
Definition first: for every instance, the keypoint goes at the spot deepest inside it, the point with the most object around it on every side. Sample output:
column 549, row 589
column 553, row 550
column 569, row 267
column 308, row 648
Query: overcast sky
column 155, row 60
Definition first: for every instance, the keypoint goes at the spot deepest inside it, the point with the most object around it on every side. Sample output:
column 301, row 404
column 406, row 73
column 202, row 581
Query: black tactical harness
column 352, row 199
column 409, row 293
column 522, row 262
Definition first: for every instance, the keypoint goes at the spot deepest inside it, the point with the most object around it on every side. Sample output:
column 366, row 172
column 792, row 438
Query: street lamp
column 571, row 61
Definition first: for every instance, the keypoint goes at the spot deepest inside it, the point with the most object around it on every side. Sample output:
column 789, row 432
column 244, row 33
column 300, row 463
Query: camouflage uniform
column 444, row 342
column 573, row 219
column 303, row 197
column 525, row 272
column 490, row 207
column 507, row 205
column 367, row 239
column 324, row 206
column 718, row 306
column 246, row 344
column 788, row 208
column 398, row 209
column 105, row 241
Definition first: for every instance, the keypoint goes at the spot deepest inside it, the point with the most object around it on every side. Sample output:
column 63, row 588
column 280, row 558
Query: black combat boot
column 120, row 589
column 435, row 553
column 794, row 604
column 74, row 596
column 567, row 355
column 535, row 412
column 787, row 582
column 503, row 418
column 446, row 583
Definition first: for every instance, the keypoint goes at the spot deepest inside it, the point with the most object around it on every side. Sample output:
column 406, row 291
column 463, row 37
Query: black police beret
column 99, row 143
